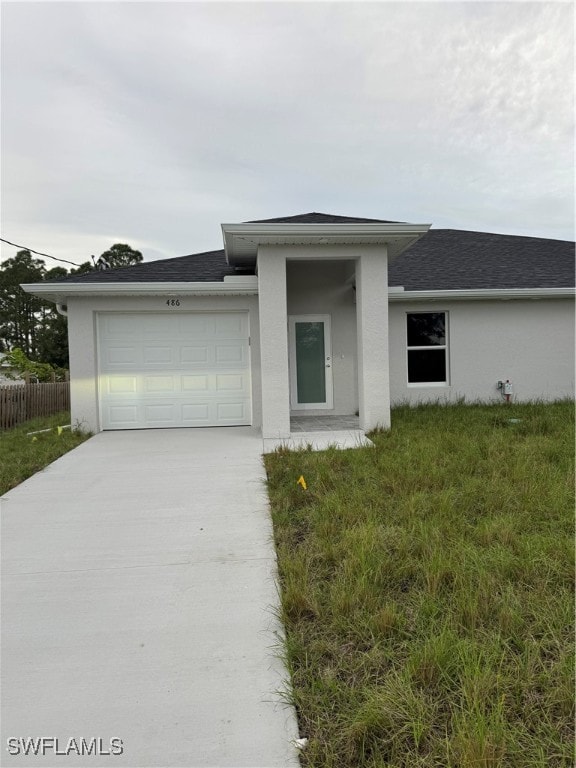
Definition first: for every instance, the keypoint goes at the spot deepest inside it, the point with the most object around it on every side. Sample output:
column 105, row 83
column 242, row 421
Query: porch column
column 273, row 343
column 372, row 328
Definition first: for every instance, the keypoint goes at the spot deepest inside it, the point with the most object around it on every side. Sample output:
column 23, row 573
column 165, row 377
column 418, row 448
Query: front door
column 310, row 362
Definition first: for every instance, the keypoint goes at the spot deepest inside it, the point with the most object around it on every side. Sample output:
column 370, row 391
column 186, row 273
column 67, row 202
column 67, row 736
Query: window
column 426, row 334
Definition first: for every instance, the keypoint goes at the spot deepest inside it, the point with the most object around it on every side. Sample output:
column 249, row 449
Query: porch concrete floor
column 320, row 433
column 324, row 423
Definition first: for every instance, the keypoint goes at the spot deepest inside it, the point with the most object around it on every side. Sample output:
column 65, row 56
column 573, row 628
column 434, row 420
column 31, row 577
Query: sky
column 151, row 123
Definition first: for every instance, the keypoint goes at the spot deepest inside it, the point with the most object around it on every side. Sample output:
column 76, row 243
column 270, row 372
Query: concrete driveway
column 138, row 597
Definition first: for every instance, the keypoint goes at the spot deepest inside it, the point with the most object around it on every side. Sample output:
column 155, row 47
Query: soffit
column 241, row 241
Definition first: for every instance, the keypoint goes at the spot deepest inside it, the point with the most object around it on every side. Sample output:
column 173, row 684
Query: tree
column 120, row 255
column 52, row 333
column 20, row 364
column 19, row 311
column 86, row 266
column 33, row 325
column 27, row 322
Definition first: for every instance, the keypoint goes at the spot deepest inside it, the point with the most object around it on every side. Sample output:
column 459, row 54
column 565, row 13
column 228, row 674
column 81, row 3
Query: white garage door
column 174, row 370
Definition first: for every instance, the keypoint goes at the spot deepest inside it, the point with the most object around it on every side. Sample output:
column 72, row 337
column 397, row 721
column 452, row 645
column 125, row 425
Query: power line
column 65, row 261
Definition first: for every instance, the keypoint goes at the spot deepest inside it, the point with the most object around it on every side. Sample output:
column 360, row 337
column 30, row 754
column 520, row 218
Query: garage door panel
column 194, row 326
column 231, row 412
column 159, row 384
column 158, row 355
column 229, row 326
column 159, row 414
column 169, row 371
column 198, row 354
column 194, row 383
column 116, row 325
column 159, row 326
column 122, row 416
column 118, row 356
column 196, row 414
column 121, row 385
column 229, row 354
column 230, row 382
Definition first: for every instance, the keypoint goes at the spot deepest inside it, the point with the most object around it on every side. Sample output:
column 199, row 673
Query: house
column 8, row 374
column 319, row 315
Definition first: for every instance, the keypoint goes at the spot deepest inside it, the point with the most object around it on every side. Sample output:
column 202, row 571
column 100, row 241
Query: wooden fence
column 20, row 402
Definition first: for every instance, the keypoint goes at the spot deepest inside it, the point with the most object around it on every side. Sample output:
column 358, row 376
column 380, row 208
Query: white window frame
column 429, row 347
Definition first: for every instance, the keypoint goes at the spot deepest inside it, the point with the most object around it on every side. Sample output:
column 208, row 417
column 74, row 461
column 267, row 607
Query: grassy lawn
column 427, row 590
column 21, row 456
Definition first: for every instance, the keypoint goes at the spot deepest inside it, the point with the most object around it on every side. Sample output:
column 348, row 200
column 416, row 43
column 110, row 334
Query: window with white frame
column 427, row 347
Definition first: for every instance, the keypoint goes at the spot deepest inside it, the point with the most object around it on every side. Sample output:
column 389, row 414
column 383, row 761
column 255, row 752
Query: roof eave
column 245, row 285
column 481, row 294
column 241, row 241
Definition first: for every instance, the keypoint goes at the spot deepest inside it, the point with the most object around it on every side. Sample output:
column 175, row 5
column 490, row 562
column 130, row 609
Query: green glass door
column 310, row 362
column 310, row 365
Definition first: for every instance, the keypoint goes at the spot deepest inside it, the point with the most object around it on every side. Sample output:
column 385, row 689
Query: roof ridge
column 328, row 218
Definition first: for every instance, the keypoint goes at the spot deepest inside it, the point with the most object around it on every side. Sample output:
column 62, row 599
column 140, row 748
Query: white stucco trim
column 245, row 285
column 487, row 294
column 242, row 241
column 373, row 340
column 273, row 312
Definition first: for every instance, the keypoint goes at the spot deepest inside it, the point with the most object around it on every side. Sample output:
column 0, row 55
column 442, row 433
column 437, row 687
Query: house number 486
column 173, row 303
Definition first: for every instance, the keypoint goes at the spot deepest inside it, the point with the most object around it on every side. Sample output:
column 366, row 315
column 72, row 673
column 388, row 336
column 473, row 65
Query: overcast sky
column 151, row 123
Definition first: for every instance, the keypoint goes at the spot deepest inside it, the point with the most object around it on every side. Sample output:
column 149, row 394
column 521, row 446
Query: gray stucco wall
column 82, row 316
column 316, row 287
column 530, row 342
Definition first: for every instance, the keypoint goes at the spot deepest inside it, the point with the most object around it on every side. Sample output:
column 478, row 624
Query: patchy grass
column 21, row 456
column 427, row 590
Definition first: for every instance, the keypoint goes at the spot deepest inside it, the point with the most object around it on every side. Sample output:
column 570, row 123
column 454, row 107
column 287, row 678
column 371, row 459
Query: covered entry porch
column 323, row 322
column 323, row 335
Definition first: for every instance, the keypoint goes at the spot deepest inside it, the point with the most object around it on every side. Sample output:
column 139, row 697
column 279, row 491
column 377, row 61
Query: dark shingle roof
column 450, row 259
column 443, row 259
column 320, row 218
column 198, row 267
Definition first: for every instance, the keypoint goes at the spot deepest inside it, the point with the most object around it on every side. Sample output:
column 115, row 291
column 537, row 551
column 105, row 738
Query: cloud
column 153, row 122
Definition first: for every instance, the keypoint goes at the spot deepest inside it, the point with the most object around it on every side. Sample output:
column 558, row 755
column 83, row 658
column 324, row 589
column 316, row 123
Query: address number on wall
column 173, row 303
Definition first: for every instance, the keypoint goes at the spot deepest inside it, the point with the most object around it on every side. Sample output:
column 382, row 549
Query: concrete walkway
column 137, row 603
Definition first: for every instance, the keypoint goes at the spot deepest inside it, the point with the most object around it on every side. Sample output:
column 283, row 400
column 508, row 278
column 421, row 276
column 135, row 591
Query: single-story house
column 319, row 315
